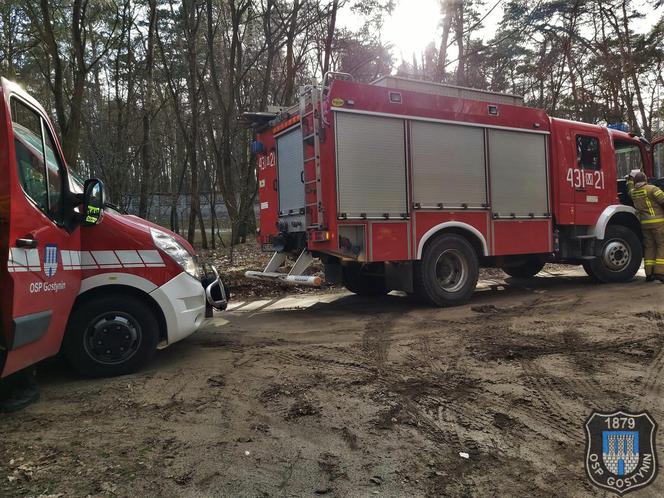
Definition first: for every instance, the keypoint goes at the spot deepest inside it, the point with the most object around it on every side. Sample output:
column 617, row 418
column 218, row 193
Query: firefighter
column 649, row 203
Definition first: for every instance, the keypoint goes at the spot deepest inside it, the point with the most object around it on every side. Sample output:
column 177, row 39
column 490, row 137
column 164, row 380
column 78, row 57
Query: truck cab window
column 587, row 152
column 42, row 181
column 628, row 157
column 658, row 153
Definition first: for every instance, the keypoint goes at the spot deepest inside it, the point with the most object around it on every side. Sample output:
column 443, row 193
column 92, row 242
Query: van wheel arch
column 124, row 290
column 112, row 330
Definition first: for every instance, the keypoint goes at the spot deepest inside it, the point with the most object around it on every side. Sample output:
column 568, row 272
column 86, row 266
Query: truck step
column 295, row 277
column 285, row 278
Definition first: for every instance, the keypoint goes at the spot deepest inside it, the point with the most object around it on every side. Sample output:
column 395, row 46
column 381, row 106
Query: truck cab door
column 591, row 174
column 37, row 291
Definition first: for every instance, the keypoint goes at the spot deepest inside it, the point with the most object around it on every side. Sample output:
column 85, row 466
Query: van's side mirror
column 93, row 201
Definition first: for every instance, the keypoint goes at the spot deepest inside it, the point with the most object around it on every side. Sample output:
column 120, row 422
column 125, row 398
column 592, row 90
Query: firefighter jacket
column 649, row 203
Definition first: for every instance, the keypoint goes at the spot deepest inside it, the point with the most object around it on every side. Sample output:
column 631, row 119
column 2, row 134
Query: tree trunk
column 146, row 150
column 330, row 36
column 458, row 28
column 442, row 53
column 289, row 85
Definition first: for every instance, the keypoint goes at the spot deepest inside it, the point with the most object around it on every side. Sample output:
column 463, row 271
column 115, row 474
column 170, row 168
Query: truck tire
column 358, row 280
column 587, row 267
column 526, row 269
column 111, row 335
column 448, row 272
column 620, row 256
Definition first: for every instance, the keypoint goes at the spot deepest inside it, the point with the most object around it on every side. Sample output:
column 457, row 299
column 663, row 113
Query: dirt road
column 348, row 396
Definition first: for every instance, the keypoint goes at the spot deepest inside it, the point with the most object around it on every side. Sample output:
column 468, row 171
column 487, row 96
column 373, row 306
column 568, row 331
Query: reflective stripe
column 24, row 260
column 649, row 262
column 651, row 211
column 652, row 220
column 659, row 261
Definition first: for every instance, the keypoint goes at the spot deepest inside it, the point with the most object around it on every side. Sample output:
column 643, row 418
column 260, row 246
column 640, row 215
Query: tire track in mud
column 549, row 415
column 550, row 391
column 439, row 425
column 654, row 375
column 421, row 354
column 557, row 403
column 377, row 339
column 654, row 378
column 282, row 358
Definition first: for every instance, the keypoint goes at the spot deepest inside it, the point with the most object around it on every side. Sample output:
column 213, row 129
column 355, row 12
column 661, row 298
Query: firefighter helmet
column 640, row 177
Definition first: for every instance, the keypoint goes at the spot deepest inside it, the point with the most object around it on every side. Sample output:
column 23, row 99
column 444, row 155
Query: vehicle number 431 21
column 579, row 178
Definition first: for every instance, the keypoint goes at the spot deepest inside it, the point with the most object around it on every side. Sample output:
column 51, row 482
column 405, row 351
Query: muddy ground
column 349, row 396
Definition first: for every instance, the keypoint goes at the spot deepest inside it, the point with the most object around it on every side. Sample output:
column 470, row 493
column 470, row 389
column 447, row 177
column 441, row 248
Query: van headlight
column 176, row 251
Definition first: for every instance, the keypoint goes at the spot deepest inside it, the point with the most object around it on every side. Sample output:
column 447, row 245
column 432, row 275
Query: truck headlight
column 176, row 251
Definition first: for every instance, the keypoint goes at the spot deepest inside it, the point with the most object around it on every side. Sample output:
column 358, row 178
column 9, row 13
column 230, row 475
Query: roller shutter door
column 448, row 165
column 518, row 169
column 290, row 164
column 371, row 166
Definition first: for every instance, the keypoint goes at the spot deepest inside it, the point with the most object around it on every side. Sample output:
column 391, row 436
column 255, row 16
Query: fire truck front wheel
column 619, row 257
column 448, row 272
column 111, row 335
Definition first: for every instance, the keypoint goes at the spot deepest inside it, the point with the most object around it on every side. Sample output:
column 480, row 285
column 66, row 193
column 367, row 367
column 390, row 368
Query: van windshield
column 75, row 182
column 628, row 157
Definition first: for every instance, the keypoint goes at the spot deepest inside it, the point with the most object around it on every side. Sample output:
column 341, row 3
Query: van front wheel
column 111, row 336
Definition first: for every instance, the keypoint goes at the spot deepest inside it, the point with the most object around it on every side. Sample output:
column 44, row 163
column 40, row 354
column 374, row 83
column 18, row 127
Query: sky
column 415, row 23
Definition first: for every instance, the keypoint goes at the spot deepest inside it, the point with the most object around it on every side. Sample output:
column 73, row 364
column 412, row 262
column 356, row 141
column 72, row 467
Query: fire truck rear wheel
column 361, row 280
column 619, row 257
column 526, row 269
column 448, row 272
column 111, row 335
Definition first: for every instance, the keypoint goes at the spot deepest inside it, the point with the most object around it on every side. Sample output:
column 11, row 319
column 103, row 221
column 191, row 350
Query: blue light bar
column 619, row 126
column 257, row 147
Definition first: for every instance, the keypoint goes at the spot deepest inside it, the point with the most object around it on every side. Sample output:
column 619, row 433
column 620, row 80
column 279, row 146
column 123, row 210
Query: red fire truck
column 410, row 185
column 78, row 276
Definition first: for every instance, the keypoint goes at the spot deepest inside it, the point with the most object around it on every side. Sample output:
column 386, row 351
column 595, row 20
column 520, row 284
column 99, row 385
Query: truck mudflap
column 216, row 294
column 294, row 277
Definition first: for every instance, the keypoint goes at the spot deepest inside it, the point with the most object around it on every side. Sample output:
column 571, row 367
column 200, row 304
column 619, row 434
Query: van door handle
column 28, row 243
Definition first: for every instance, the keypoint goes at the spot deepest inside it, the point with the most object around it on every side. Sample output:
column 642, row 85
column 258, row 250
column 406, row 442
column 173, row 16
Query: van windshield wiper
column 115, row 208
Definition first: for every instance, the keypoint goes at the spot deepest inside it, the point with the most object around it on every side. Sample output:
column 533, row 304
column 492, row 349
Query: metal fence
column 160, row 208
